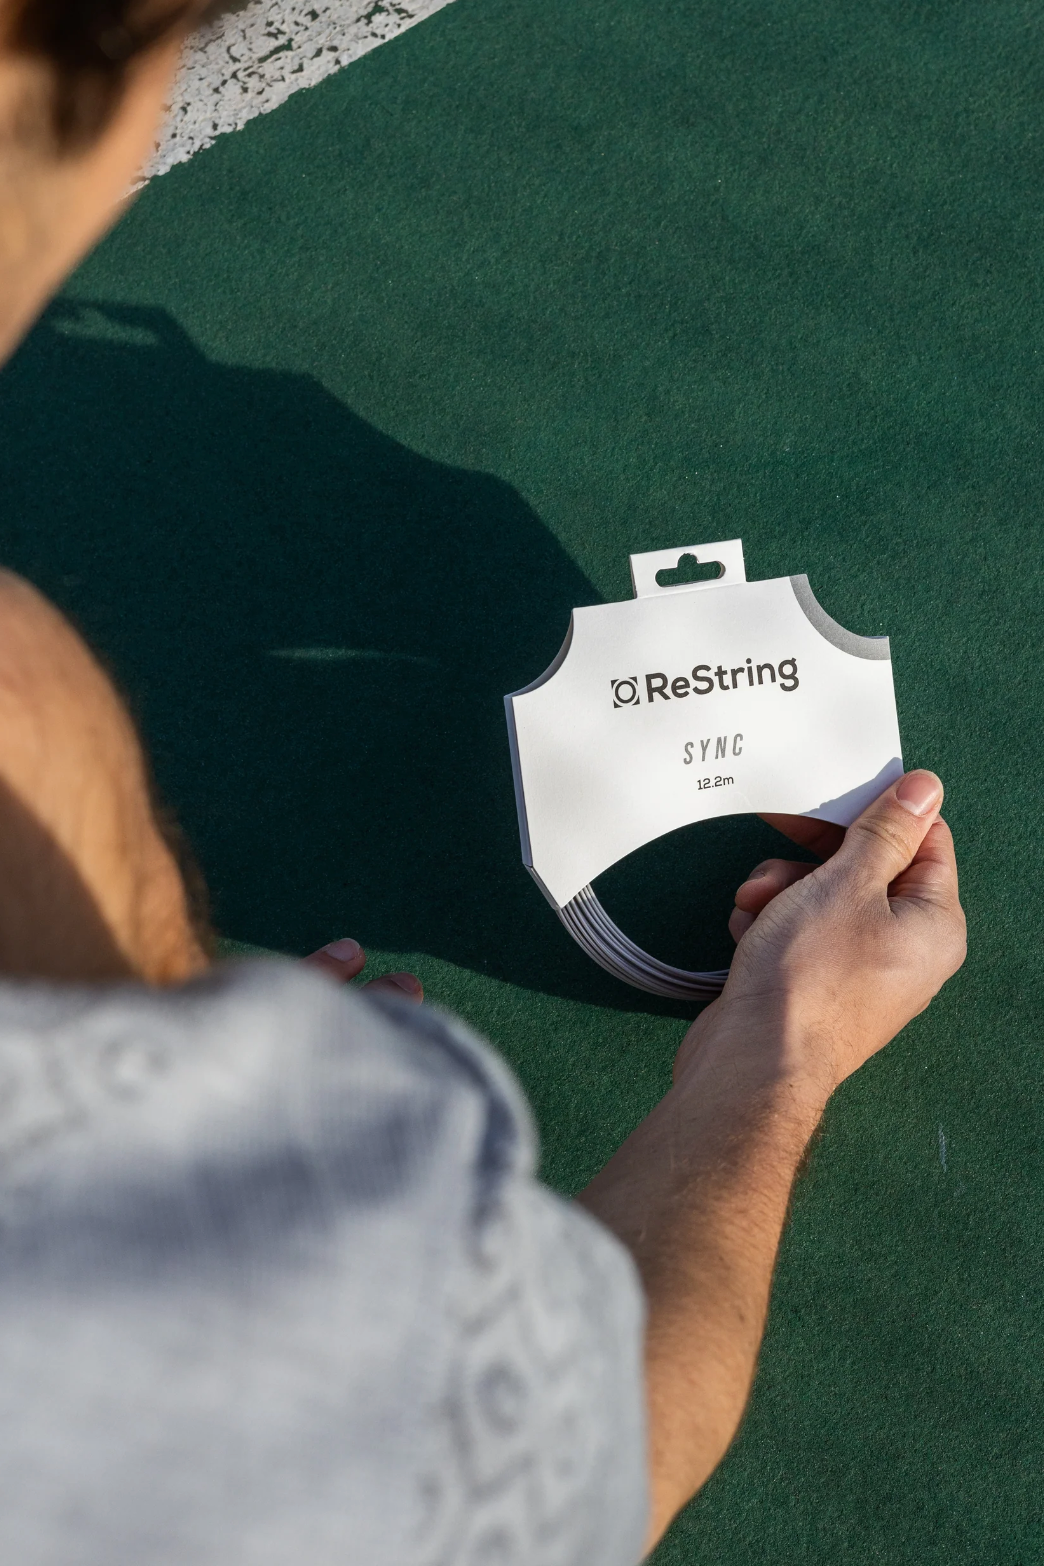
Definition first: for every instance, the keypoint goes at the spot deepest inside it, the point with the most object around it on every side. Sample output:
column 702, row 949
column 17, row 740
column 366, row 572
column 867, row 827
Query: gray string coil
column 607, row 945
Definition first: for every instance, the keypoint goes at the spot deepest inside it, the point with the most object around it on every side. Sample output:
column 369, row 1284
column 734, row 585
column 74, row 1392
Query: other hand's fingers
column 342, row 960
column 819, row 837
column 345, row 959
column 402, row 985
column 884, row 840
column 765, row 882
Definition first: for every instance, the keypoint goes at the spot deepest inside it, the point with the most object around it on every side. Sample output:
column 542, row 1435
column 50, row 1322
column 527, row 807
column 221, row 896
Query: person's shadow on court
column 316, row 628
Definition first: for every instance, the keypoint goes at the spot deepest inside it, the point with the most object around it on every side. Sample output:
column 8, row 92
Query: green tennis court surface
column 325, row 442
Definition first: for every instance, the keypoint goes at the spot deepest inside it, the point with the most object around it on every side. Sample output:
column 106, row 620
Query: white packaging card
column 688, row 702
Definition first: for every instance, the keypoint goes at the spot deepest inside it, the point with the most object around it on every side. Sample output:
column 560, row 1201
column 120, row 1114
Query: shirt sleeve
column 281, row 1285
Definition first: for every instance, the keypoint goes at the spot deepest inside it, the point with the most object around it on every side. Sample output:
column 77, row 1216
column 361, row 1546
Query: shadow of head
column 316, row 627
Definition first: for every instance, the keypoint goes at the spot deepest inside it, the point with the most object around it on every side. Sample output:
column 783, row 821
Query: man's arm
column 832, row 962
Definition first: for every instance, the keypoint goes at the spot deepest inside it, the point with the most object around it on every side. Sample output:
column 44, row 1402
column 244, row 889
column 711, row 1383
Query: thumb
column 882, row 842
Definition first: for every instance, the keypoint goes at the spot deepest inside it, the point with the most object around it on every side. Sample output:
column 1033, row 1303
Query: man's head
column 82, row 89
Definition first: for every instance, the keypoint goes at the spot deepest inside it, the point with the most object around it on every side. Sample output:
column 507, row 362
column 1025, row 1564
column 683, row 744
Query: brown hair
column 89, row 47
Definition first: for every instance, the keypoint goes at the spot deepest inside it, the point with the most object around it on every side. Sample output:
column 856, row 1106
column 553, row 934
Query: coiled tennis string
column 607, row 945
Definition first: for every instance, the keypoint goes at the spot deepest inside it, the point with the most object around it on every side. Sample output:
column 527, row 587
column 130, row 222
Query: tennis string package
column 682, row 703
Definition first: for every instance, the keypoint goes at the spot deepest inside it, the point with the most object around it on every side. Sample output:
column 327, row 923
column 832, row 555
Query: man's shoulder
column 294, row 1235
column 255, row 1053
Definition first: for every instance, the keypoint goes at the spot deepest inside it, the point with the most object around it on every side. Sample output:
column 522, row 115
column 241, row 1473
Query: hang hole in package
column 682, row 703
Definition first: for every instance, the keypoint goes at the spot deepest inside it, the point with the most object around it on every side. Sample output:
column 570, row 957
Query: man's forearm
column 698, row 1194
column 830, row 964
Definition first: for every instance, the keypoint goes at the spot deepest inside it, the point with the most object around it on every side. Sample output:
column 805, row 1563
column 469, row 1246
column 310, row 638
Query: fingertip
column 344, row 950
column 767, row 880
column 409, row 984
column 920, row 792
column 404, row 986
column 340, row 960
column 751, row 891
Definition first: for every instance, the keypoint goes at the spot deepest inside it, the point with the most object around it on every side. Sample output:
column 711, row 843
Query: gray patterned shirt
column 279, row 1286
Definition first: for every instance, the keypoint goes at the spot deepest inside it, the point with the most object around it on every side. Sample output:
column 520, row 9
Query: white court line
column 250, row 61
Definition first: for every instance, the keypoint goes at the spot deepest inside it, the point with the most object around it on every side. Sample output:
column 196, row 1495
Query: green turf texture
column 405, row 370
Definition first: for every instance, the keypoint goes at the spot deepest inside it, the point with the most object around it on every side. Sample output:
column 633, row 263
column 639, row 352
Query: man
column 278, row 1283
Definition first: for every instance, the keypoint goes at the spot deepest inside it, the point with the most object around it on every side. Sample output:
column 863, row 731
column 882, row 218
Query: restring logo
column 625, row 692
column 703, row 680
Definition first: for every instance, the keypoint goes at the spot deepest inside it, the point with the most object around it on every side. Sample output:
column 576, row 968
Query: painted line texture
column 249, row 61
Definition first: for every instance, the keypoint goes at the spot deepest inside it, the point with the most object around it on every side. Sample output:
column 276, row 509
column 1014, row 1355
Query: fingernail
column 345, row 950
column 406, row 982
column 919, row 792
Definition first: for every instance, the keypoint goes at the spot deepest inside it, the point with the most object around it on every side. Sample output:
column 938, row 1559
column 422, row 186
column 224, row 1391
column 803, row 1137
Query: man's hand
column 836, row 959
column 345, row 959
column 832, row 961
